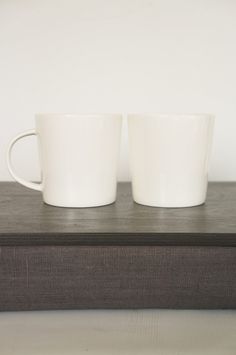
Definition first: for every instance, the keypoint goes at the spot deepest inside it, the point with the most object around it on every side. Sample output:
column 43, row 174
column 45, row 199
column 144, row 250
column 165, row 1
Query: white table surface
column 164, row 332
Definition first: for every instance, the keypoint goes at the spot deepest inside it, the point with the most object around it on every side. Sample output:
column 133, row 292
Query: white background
column 117, row 56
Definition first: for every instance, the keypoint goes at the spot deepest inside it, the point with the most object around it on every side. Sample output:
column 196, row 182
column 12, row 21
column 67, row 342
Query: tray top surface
column 26, row 220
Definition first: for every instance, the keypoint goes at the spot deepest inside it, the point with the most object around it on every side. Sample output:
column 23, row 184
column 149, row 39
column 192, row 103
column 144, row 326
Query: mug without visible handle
column 169, row 157
column 31, row 185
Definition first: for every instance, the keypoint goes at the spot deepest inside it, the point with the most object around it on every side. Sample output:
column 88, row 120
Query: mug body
column 169, row 157
column 79, row 157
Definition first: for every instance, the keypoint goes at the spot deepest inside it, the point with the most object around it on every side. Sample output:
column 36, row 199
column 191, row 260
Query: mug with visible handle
column 169, row 157
column 78, row 156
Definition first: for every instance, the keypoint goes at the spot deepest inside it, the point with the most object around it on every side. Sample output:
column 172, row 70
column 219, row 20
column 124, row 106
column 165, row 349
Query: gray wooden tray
column 119, row 256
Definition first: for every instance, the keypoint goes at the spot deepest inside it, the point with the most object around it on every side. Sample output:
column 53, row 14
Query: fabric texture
column 117, row 277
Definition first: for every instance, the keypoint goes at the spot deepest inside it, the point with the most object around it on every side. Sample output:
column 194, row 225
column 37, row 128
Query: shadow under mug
column 78, row 158
column 169, row 157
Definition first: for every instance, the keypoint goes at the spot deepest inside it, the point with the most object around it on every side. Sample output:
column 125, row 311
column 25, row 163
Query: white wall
column 117, row 56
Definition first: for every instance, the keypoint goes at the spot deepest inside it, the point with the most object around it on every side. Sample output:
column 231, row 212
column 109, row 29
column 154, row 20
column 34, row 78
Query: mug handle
column 31, row 185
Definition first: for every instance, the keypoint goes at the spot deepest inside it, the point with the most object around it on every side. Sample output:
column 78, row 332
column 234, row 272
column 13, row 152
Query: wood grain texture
column 26, row 220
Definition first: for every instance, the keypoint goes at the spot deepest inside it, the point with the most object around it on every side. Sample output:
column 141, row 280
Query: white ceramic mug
column 169, row 157
column 78, row 156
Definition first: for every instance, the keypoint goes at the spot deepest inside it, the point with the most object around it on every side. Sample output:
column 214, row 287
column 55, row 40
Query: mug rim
column 171, row 115
column 78, row 115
